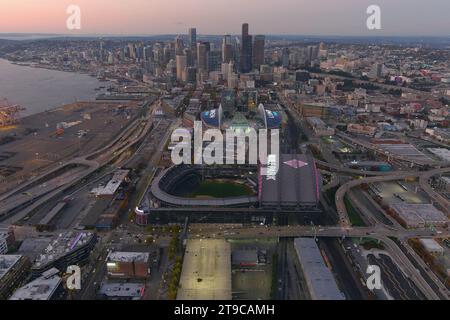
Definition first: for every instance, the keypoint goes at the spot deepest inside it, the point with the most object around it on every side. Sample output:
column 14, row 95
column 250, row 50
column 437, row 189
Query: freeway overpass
column 370, row 146
column 324, row 231
column 378, row 232
column 340, row 194
column 48, row 187
column 339, row 168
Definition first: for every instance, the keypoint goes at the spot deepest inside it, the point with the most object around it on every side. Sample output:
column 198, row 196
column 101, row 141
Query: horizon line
column 206, row 34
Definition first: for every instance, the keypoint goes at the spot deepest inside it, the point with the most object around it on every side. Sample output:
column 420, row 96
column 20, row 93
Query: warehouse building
column 112, row 186
column 47, row 287
column 415, row 215
column 361, row 129
column 70, row 248
column 431, row 246
column 121, row 291
column 128, row 265
column 33, row 247
column 319, row 127
column 319, row 279
column 406, row 150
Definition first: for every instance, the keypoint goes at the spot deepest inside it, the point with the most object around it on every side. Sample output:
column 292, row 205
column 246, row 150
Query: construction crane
column 9, row 114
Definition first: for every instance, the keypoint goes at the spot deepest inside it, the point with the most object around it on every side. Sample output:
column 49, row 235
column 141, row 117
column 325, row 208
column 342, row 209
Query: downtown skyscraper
column 192, row 43
column 192, row 38
column 258, row 51
column 203, row 49
column 246, row 50
column 227, row 49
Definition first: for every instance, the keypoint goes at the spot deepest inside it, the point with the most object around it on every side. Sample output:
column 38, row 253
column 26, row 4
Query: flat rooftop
column 7, row 261
column 297, row 182
column 431, row 244
column 128, row 256
column 320, row 280
column 42, row 288
column 123, row 290
column 425, row 213
column 206, row 273
column 317, row 122
column 62, row 245
column 244, row 256
column 113, row 184
column 405, row 150
column 33, row 247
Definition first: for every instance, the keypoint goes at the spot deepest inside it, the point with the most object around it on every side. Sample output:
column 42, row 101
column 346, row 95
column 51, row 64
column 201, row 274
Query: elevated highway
column 342, row 169
column 26, row 198
column 423, row 179
column 380, row 151
column 378, row 232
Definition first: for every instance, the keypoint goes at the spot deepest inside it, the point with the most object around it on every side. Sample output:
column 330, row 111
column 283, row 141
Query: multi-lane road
column 27, row 197
column 380, row 232
column 423, row 176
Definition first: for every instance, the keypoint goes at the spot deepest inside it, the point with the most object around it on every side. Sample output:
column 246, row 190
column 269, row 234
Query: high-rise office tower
column 171, row 68
column 189, row 56
column 132, row 51
column 246, row 50
column 214, row 60
column 169, row 54
column 148, row 55
column 227, row 49
column 158, row 53
column 231, row 76
column 230, row 68
column 203, row 49
column 193, row 45
column 377, row 71
column 179, row 46
column 258, row 51
column 312, row 53
column 102, row 51
column 224, row 70
column 140, row 52
column 181, row 61
column 192, row 38
column 191, row 74
column 285, row 57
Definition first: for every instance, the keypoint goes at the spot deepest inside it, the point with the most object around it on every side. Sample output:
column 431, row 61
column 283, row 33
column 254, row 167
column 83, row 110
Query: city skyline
column 254, row 152
column 285, row 17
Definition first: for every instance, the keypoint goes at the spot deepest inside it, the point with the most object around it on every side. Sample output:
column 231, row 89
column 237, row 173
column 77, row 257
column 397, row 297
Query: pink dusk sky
column 147, row 17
